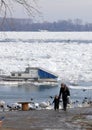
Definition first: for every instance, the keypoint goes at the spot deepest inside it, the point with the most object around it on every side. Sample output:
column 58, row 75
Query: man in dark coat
column 64, row 90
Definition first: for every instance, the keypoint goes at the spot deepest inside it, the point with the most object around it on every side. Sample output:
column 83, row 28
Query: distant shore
column 72, row 119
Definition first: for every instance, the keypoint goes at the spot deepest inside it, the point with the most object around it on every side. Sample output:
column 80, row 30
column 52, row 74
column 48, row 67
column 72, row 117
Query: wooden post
column 25, row 106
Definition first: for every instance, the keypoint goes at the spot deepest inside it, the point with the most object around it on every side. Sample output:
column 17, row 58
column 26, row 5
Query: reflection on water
column 11, row 94
column 38, row 93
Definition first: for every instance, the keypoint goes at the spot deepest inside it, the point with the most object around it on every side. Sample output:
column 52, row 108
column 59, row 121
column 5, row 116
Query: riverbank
column 72, row 119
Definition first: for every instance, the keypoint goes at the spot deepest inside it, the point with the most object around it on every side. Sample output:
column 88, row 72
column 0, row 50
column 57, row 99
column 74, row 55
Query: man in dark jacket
column 64, row 90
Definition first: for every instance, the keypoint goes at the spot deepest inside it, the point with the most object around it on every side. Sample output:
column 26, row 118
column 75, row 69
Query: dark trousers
column 65, row 103
column 56, row 106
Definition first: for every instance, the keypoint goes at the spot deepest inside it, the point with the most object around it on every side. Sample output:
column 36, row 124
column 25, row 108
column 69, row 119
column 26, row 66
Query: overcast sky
column 54, row 10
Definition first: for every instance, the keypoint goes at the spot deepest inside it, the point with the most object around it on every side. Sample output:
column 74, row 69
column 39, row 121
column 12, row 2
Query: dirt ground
column 72, row 119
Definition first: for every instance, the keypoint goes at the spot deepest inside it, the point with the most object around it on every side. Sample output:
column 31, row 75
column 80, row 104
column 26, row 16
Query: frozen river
column 68, row 54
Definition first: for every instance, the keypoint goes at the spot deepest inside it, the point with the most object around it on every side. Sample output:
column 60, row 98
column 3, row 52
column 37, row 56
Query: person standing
column 64, row 91
column 56, row 102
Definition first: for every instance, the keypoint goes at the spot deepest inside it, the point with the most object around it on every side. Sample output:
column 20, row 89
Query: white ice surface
column 71, row 61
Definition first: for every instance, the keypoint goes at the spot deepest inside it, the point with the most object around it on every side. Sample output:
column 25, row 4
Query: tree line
column 11, row 24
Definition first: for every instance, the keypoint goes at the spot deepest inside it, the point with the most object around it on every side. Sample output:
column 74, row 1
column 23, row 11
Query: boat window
column 19, row 74
column 13, row 74
column 27, row 70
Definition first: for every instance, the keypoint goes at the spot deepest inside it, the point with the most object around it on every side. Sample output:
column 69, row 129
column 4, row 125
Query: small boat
column 31, row 76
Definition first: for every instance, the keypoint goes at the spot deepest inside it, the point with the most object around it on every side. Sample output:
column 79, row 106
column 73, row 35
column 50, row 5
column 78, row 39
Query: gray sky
column 54, row 10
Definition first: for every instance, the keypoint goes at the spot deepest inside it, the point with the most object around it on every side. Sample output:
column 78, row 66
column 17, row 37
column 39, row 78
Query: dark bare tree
column 29, row 5
column 6, row 8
